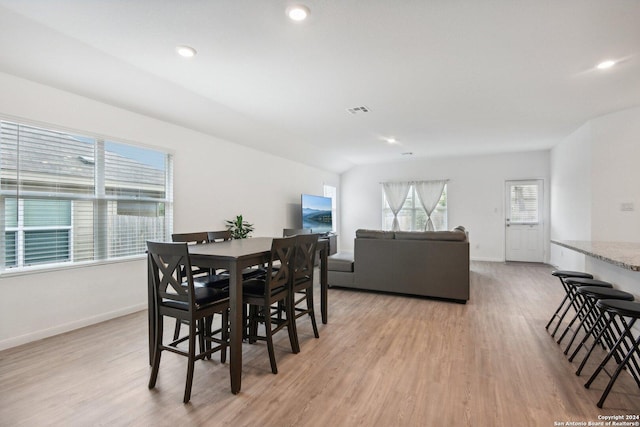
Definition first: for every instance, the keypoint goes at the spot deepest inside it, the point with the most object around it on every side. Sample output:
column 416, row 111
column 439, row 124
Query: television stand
column 333, row 242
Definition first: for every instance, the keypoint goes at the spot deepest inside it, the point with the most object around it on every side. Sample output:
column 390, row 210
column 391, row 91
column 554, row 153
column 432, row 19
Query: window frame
column 98, row 198
column 332, row 191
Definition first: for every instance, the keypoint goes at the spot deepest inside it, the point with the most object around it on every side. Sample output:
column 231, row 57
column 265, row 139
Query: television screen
column 316, row 213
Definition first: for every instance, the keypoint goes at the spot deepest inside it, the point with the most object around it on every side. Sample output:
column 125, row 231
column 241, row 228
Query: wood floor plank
column 382, row 360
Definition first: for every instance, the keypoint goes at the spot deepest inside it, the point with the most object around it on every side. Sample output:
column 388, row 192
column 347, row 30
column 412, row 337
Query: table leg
column 236, row 327
column 324, row 284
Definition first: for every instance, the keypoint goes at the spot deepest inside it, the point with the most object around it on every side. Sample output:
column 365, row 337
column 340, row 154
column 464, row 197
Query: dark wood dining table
column 235, row 256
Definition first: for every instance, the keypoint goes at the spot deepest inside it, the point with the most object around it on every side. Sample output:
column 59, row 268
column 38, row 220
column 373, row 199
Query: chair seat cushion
column 302, row 279
column 569, row 273
column 211, row 281
column 203, row 296
column 623, row 308
column 255, row 287
column 600, row 292
column 577, row 281
column 251, row 273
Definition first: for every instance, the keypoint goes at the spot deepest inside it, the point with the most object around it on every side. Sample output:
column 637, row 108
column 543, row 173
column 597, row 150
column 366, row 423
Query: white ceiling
column 444, row 77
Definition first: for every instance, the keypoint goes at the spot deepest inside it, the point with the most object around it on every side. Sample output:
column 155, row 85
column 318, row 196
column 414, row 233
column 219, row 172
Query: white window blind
column 524, row 204
column 67, row 198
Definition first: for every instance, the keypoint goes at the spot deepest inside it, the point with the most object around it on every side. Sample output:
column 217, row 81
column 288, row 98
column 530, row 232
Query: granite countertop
column 623, row 254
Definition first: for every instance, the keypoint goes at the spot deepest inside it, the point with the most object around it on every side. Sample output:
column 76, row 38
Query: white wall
column 214, row 180
column 594, row 171
column 615, row 175
column 571, row 196
column 475, row 194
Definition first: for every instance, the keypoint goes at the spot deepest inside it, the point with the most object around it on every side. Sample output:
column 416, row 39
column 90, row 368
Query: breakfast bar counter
column 625, row 255
column 615, row 262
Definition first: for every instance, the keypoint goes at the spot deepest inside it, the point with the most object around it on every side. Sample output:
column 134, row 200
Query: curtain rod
column 414, row 180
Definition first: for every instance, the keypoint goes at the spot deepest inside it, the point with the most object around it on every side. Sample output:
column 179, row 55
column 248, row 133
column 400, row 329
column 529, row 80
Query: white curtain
column 396, row 193
column 429, row 193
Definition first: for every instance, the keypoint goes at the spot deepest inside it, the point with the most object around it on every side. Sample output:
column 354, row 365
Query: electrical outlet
column 627, row 207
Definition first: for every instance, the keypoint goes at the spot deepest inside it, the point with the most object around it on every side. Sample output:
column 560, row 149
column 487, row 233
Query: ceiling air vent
column 361, row 109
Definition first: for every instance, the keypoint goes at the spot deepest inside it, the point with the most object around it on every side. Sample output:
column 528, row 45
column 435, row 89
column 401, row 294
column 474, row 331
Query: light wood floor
column 381, row 361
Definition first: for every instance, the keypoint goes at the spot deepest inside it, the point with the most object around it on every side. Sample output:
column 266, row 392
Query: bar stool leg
column 626, row 333
column 589, row 330
column 597, row 335
column 564, row 300
column 577, row 316
column 568, row 297
column 595, row 343
column 572, row 303
column 617, row 372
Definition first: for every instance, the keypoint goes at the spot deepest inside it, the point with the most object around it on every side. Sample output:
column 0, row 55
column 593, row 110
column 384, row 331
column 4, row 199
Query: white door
column 524, row 230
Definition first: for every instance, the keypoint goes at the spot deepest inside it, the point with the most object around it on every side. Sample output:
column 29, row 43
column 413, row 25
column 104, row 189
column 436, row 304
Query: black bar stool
column 618, row 310
column 577, row 301
column 590, row 295
column 563, row 274
column 603, row 329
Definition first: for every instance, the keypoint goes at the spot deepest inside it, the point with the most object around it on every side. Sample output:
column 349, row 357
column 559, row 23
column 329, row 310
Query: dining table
column 235, row 256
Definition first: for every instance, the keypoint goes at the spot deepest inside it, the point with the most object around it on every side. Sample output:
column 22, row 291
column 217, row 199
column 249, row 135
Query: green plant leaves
column 240, row 229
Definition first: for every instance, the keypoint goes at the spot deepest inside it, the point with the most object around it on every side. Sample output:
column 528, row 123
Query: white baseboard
column 60, row 329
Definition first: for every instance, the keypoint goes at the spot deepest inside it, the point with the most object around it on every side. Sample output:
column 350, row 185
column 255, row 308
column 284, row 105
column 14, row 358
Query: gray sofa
column 430, row 263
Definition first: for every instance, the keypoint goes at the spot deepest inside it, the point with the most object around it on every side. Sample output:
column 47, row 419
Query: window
column 524, row 203
column 68, row 198
column 331, row 191
column 40, row 227
column 412, row 217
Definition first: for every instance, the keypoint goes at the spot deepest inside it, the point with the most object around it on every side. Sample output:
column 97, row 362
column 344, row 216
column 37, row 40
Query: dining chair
column 193, row 239
column 179, row 298
column 223, row 236
column 288, row 232
column 218, row 236
column 302, row 281
column 263, row 292
column 203, row 277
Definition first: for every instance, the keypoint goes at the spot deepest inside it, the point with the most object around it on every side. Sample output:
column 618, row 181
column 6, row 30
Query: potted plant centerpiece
column 239, row 228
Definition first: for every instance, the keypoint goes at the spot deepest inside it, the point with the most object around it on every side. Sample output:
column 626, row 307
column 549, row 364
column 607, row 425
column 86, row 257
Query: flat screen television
column 316, row 213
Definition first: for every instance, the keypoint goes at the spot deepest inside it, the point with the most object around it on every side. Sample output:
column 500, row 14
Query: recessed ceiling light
column 186, row 51
column 298, row 12
column 605, row 64
column 392, row 140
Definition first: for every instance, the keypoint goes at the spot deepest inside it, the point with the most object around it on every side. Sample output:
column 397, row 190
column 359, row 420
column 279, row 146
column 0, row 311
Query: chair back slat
column 218, row 236
column 282, row 251
column 288, row 232
column 169, row 262
column 196, row 238
column 191, row 238
column 305, row 256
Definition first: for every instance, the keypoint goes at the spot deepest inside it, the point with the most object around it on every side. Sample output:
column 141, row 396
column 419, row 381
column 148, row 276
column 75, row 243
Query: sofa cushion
column 459, row 228
column 374, row 234
column 456, row 236
column 342, row 261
